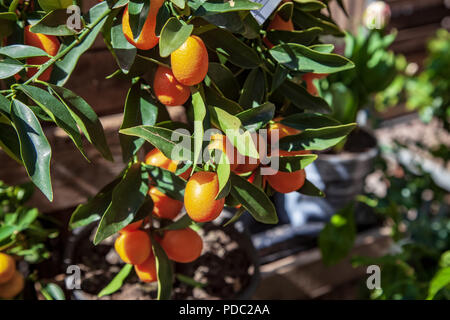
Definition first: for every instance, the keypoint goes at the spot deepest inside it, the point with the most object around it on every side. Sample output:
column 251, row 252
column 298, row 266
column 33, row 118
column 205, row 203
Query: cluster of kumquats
column 12, row 281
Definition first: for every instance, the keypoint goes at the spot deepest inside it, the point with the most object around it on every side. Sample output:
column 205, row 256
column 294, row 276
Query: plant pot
column 220, row 258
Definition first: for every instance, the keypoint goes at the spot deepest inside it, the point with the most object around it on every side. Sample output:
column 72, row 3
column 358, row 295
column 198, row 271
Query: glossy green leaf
column 124, row 51
column 9, row 142
column 57, row 111
column 304, row 37
column 232, row 127
column 254, row 200
column 216, row 100
column 338, row 236
column 6, row 232
column 324, row 48
column 295, row 163
column 316, row 139
column 203, row 8
column 301, row 58
column 255, row 118
column 52, row 291
column 94, row 209
column 86, row 118
column 305, row 20
column 140, row 109
column 34, row 147
column 309, row 189
column 223, row 174
column 199, row 117
column 182, row 223
column 127, row 197
column 224, row 80
column 9, row 67
column 62, row 69
column 179, row 3
column 309, row 5
column 49, row 5
column 54, row 23
column 117, row 282
column 253, row 92
column 138, row 11
column 175, row 145
column 300, row 98
column 164, row 271
column 21, row 51
column 227, row 45
column 173, row 35
column 440, row 280
column 26, row 217
column 303, row 121
column 278, row 78
column 166, row 181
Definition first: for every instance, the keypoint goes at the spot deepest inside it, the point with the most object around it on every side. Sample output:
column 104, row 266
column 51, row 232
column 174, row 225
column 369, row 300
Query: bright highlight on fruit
column 190, row 61
column 133, row 247
column 168, row 90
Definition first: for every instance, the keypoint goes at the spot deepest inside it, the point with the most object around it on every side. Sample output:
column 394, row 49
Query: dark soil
column 225, row 268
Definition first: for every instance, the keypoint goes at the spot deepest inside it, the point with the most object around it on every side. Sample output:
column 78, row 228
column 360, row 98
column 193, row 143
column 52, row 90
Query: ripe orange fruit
column 190, row 61
column 164, row 206
column 222, row 143
column 200, row 197
column 49, row 44
column 147, row 39
column 248, row 164
column 309, row 78
column 132, row 226
column 183, row 245
column 156, row 158
column 285, row 182
column 7, row 267
column 146, row 271
column 13, row 287
column 168, row 90
column 133, row 247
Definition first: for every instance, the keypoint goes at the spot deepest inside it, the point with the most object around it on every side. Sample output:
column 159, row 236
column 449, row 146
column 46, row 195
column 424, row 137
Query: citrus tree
column 244, row 77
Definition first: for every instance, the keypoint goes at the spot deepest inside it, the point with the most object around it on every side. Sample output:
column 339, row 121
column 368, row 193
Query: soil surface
column 225, row 268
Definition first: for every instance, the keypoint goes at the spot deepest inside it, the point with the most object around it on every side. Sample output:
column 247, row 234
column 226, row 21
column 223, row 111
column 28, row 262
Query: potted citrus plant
column 240, row 80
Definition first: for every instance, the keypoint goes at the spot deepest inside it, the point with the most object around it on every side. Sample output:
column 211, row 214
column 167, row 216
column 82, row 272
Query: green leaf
column 223, row 174
column 166, row 181
column 127, row 197
column 199, row 117
column 254, row 200
column 6, row 232
column 94, row 209
column 34, row 147
column 316, row 139
column 62, row 69
column 304, row 37
column 140, row 109
column 279, row 77
column 59, row 113
column 309, row 5
column 26, row 217
column 117, row 282
column 255, row 118
column 303, row 121
column 54, row 23
column 179, row 3
column 49, row 5
column 232, row 127
column 301, row 58
column 295, row 163
column 300, row 98
column 9, row 67
column 86, row 118
column 310, row 189
column 230, row 47
column 224, row 80
column 203, row 8
column 175, row 145
column 138, row 10
column 182, row 223
column 189, row 281
column 124, row 51
column 173, row 35
column 164, row 271
column 338, row 236
column 21, row 51
column 9, row 141
column 235, row 217
column 214, row 99
column 440, row 280
column 53, row 292
column 305, row 20
column 253, row 92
